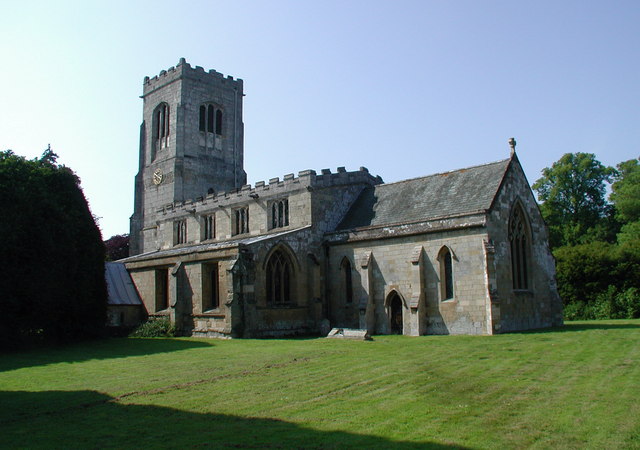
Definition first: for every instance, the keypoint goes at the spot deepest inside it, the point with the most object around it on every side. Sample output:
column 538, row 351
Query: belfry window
column 446, row 274
column 519, row 243
column 219, row 122
column 203, row 118
column 278, row 283
column 210, row 115
column 280, row 213
column 161, row 128
column 210, row 119
column 180, row 232
column 241, row 221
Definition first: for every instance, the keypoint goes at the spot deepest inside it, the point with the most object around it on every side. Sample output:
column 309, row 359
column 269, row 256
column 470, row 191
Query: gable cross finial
column 512, row 144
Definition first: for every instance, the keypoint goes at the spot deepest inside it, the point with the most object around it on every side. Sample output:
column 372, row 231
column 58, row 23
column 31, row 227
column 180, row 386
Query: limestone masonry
column 462, row 252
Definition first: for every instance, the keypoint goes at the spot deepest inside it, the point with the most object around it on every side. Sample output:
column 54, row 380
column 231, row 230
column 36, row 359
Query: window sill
column 212, row 313
column 523, row 291
column 288, row 306
column 285, row 227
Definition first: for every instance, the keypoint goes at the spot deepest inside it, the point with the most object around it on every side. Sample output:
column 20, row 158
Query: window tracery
column 519, row 243
column 279, row 271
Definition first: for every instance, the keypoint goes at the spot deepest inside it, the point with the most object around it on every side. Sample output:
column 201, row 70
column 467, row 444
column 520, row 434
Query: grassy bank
column 574, row 387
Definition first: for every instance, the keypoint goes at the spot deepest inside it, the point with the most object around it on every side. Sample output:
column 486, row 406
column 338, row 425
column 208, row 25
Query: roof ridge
column 443, row 173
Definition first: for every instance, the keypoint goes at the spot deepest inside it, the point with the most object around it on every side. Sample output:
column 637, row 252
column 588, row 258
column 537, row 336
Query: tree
column 573, row 196
column 52, row 259
column 625, row 196
column 626, row 191
column 117, row 247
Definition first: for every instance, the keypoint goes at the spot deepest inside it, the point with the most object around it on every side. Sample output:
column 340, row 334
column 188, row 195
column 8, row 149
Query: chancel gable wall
column 521, row 268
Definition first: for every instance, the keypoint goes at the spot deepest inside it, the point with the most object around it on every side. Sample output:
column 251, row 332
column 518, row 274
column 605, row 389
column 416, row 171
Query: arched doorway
column 395, row 313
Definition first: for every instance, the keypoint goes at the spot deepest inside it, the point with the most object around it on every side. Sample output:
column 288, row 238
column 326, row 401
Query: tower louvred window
column 210, row 119
column 210, row 115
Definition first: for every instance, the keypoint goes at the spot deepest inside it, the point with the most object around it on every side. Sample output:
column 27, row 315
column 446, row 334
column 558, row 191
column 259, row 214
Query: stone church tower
column 191, row 145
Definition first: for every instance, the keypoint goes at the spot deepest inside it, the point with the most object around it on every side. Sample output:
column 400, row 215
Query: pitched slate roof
column 119, row 285
column 456, row 193
column 209, row 246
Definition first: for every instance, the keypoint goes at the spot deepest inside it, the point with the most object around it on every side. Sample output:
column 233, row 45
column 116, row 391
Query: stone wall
column 409, row 266
column 539, row 306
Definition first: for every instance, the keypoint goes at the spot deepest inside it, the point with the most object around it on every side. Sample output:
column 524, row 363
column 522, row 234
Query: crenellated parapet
column 184, row 70
column 308, row 180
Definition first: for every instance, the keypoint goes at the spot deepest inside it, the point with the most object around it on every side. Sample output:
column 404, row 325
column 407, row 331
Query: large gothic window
column 446, row 274
column 519, row 241
column 279, row 274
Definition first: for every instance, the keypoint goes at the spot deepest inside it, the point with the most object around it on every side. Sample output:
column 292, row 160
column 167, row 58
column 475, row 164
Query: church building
column 461, row 252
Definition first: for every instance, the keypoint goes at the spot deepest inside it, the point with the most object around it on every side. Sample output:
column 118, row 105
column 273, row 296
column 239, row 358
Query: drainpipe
column 235, row 130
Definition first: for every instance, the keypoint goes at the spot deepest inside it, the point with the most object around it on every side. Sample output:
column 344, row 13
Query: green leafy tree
column 573, row 196
column 625, row 196
column 599, row 280
column 52, row 284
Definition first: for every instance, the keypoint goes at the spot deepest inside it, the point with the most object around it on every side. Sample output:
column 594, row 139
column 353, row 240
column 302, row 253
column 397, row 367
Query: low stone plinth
column 349, row 333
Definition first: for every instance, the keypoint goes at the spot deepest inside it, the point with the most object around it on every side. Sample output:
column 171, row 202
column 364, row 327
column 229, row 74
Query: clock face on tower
column 157, row 176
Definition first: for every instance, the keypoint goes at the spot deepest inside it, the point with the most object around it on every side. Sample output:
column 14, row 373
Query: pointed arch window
column 446, row 274
column 519, row 240
column 161, row 128
column 347, row 280
column 279, row 274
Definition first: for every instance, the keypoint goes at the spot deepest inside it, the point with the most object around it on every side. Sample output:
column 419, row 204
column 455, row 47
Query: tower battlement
column 184, row 70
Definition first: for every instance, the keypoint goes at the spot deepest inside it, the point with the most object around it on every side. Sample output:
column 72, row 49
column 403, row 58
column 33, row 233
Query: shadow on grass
column 98, row 349
column 88, row 419
column 585, row 326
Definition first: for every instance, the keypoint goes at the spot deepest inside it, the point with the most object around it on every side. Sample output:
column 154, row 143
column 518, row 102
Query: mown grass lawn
column 574, row 387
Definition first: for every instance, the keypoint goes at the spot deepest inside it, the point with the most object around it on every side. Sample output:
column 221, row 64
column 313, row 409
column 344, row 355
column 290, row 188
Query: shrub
column 574, row 311
column 628, row 303
column 155, row 328
column 52, row 285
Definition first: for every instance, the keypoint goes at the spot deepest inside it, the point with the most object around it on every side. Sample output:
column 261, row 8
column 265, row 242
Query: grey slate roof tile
column 119, row 285
column 442, row 195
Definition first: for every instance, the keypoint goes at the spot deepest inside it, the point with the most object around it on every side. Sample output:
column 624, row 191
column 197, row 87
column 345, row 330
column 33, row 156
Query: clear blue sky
column 405, row 88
